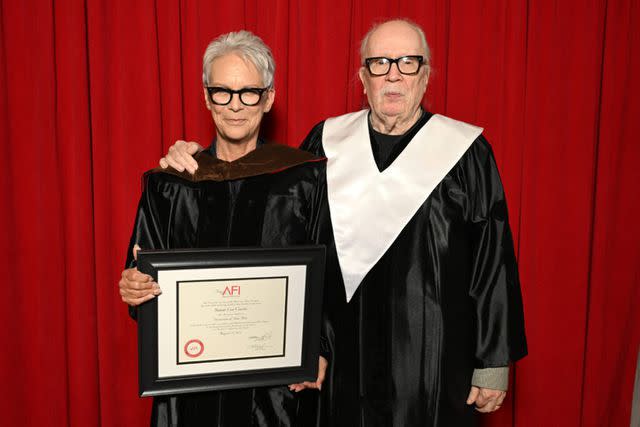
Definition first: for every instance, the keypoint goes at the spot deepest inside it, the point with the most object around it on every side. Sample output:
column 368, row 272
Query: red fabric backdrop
column 93, row 92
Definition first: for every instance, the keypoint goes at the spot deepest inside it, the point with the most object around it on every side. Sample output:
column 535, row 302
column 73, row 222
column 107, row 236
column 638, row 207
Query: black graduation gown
column 443, row 300
column 271, row 197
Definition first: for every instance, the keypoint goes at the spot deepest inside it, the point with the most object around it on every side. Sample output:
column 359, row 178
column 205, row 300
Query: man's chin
column 392, row 112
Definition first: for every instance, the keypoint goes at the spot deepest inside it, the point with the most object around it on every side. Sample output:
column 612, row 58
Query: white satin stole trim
column 370, row 208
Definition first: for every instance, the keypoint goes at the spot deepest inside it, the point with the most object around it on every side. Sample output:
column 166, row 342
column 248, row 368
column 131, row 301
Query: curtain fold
column 613, row 320
column 92, row 93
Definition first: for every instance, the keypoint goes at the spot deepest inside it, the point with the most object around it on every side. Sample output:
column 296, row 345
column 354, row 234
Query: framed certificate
column 230, row 318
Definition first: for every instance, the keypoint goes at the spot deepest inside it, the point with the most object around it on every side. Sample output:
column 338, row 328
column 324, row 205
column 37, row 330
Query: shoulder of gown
column 313, row 141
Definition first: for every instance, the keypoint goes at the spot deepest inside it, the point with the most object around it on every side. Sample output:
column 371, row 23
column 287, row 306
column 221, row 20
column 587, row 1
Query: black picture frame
column 174, row 262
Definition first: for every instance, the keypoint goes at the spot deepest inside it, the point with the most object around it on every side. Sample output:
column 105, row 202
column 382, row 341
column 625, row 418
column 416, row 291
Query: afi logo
column 231, row 290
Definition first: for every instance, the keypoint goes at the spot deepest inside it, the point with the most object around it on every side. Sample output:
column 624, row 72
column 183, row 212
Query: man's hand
column 136, row 287
column 180, row 156
column 486, row 399
column 322, row 369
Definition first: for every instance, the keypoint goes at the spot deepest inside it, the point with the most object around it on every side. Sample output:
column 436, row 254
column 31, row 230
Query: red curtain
column 93, row 92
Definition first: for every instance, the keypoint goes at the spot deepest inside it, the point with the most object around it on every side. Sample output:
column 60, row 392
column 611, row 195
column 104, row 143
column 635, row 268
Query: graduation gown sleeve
column 150, row 223
column 495, row 287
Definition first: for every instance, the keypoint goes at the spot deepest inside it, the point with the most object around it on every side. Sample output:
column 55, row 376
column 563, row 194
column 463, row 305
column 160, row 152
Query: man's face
column 236, row 122
column 394, row 95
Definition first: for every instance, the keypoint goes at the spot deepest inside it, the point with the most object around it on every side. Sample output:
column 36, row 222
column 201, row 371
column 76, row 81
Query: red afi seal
column 193, row 348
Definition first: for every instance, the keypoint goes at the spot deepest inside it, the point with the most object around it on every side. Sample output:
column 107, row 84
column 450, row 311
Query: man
column 424, row 307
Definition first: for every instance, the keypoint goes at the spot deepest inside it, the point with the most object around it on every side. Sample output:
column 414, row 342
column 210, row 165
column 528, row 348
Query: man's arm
column 180, row 156
column 495, row 287
column 491, row 378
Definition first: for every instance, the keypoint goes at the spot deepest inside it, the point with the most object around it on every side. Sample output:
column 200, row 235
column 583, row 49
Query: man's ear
column 361, row 75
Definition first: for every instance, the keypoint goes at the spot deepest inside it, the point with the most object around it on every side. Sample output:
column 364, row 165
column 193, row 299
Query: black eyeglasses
column 380, row 65
column 249, row 96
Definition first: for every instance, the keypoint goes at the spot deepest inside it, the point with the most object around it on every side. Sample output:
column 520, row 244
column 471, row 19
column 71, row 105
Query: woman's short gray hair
column 248, row 46
column 416, row 27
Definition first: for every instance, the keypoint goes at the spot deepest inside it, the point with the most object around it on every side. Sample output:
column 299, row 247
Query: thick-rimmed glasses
column 249, row 96
column 380, row 65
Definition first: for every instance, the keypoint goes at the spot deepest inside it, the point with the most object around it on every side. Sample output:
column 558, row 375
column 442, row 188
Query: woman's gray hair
column 246, row 44
column 416, row 27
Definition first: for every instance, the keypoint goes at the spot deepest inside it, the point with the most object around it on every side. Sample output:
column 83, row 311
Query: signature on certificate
column 260, row 338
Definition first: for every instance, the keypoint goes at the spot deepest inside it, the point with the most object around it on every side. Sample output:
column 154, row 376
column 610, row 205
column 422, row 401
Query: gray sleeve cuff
column 493, row 378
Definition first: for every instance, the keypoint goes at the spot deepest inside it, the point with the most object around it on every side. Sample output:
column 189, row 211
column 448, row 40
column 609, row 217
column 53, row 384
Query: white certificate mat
column 218, row 320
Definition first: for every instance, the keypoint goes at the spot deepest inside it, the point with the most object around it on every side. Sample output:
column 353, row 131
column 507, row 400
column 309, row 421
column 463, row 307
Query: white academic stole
column 370, row 208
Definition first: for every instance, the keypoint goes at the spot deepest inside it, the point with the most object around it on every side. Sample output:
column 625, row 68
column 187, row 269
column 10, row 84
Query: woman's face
column 235, row 122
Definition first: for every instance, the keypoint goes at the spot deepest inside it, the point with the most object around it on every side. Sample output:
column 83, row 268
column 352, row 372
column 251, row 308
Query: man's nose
column 394, row 72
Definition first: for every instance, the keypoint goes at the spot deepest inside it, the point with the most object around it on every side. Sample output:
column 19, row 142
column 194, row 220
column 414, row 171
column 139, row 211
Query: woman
column 244, row 193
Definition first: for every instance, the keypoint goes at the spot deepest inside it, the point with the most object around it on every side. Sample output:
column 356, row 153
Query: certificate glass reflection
column 231, row 319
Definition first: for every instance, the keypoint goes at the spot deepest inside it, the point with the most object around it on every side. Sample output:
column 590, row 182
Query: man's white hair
column 248, row 46
column 416, row 27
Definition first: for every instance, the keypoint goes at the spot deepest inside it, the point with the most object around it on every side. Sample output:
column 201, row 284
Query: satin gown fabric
column 443, row 300
column 281, row 208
